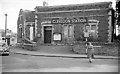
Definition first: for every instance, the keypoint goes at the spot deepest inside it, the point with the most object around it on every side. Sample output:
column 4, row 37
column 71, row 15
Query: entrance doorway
column 47, row 34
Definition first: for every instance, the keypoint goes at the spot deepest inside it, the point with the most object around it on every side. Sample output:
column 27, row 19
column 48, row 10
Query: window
column 68, row 31
column 87, row 28
column 93, row 30
column 93, row 27
column 20, row 32
column 65, row 31
column 71, row 31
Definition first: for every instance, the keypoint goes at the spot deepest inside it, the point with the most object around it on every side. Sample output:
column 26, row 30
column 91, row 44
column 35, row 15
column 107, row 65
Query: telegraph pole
column 5, row 25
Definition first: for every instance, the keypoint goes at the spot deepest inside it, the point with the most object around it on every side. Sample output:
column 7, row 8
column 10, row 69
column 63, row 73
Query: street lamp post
column 5, row 25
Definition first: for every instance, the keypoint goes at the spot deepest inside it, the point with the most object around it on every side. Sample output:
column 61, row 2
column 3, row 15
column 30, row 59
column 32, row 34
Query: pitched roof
column 74, row 7
column 29, row 16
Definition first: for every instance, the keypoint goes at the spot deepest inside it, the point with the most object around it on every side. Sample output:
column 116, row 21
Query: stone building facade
column 67, row 24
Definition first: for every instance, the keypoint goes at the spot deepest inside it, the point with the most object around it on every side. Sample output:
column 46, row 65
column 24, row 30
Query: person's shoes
column 90, row 61
column 92, row 56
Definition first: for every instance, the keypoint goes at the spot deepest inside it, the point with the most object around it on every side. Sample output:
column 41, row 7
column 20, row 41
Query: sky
column 12, row 8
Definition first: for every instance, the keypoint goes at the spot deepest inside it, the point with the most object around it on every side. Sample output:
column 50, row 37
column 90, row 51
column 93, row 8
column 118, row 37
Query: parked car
column 4, row 49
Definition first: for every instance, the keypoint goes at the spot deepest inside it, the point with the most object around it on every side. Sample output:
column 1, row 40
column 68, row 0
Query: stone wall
column 105, row 49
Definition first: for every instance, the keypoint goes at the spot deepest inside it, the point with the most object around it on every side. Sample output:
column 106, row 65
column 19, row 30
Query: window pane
column 71, row 31
column 93, row 27
column 65, row 31
column 93, row 31
column 87, row 28
column 20, row 32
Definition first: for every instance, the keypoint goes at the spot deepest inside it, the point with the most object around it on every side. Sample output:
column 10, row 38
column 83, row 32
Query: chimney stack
column 45, row 4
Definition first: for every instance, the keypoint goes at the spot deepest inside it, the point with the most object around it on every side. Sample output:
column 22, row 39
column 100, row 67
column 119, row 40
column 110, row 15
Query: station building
column 67, row 24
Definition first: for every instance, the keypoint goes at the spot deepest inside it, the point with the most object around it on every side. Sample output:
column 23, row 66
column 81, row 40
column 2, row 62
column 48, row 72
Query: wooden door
column 47, row 34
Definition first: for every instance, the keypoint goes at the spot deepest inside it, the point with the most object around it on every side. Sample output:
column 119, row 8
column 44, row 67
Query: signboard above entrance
column 68, row 21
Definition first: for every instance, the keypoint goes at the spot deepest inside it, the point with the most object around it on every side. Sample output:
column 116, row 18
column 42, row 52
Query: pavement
column 16, row 50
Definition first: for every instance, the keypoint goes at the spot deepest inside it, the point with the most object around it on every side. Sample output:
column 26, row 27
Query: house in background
column 11, row 38
column 67, row 24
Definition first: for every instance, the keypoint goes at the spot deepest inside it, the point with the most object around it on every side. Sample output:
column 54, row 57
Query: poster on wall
column 57, row 36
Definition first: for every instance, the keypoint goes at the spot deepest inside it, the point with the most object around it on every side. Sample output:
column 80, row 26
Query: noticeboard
column 57, row 36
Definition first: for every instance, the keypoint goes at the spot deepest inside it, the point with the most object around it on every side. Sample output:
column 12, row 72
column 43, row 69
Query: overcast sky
column 12, row 8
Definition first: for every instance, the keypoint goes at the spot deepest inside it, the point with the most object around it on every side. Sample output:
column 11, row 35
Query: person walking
column 90, row 51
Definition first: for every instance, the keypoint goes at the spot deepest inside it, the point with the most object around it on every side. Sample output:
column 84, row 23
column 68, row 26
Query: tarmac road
column 27, row 63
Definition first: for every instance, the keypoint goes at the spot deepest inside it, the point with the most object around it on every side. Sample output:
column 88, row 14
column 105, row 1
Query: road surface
column 27, row 63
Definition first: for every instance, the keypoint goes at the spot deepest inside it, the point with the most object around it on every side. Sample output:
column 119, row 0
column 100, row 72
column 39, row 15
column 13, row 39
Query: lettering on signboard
column 75, row 20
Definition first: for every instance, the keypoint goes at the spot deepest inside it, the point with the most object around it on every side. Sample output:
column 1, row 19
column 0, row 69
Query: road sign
column 86, row 34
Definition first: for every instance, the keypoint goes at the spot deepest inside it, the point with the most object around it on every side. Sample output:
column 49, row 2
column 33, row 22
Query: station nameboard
column 71, row 20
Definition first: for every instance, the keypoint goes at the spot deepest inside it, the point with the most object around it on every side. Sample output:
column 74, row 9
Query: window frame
column 90, row 23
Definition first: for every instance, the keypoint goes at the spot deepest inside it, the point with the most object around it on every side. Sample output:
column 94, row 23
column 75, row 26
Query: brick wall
column 100, row 15
column 95, row 11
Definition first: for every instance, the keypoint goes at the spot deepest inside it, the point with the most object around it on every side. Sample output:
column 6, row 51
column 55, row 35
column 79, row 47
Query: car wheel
column 5, row 54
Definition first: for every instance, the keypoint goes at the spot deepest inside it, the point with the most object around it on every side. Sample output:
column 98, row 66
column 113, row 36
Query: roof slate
column 29, row 16
column 74, row 7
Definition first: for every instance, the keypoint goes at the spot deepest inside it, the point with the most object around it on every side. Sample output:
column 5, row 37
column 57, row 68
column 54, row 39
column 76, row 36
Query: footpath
column 21, row 51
